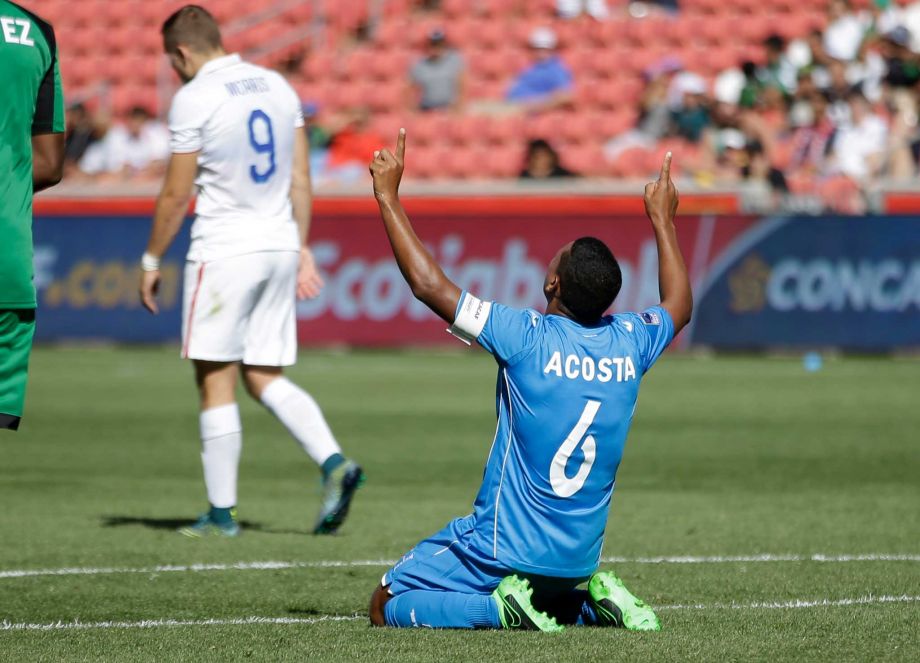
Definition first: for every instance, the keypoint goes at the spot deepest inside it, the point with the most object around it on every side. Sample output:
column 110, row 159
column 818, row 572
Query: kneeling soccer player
column 567, row 387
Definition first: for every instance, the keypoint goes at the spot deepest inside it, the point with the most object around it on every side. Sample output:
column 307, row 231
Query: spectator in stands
column 752, row 86
column 845, row 31
column 837, row 89
column 654, row 111
column 438, row 77
column 542, row 162
column 547, row 83
column 426, row 6
column 859, row 145
column 569, row 9
column 867, row 71
column 690, row 115
column 902, row 66
column 778, row 71
column 135, row 149
column 318, row 138
column 81, row 133
column 352, row 141
column 891, row 14
column 763, row 187
column 642, row 8
column 812, row 138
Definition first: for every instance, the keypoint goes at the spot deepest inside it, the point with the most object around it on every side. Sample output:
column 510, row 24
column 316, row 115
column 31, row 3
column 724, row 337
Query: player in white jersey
column 238, row 138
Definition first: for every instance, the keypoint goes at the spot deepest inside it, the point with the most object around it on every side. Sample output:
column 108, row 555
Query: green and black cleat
column 338, row 490
column 517, row 612
column 616, row 606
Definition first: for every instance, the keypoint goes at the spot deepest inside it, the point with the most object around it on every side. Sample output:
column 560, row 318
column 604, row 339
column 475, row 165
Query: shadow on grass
column 176, row 523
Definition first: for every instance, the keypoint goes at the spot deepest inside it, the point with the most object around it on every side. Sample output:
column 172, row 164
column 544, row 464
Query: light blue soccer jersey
column 565, row 399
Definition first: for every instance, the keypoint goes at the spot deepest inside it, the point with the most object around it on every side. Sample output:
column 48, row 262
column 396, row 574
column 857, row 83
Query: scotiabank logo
column 373, row 289
column 887, row 285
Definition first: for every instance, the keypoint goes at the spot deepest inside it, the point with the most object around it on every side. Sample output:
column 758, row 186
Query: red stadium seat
column 546, row 125
column 505, row 161
column 320, row 66
column 390, row 65
column 383, row 97
column 585, row 160
column 428, row 128
column 357, row 66
column 491, row 33
column 427, row 162
column 466, row 162
column 508, row 130
column 633, row 163
column 468, row 130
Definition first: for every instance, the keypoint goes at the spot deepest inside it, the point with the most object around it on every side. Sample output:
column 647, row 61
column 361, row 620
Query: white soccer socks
column 301, row 415
column 221, row 443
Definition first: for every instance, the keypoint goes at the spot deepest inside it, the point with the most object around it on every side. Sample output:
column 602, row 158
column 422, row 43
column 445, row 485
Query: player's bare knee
column 257, row 378
column 378, row 600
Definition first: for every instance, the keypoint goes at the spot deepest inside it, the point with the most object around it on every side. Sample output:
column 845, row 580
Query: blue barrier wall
column 852, row 283
column 87, row 273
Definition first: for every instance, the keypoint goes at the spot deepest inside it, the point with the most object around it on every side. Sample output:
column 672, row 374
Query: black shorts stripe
column 9, row 422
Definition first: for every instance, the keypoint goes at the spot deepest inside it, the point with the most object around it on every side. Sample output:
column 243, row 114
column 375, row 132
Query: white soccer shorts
column 242, row 309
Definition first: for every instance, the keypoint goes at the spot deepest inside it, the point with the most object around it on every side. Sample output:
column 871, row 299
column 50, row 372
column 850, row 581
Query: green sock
column 222, row 516
column 331, row 463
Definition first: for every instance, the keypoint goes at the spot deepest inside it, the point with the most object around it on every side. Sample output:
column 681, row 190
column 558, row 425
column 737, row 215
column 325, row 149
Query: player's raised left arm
column 661, row 200
column 423, row 274
column 172, row 205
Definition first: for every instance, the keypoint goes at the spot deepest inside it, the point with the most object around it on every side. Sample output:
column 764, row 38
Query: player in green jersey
column 31, row 159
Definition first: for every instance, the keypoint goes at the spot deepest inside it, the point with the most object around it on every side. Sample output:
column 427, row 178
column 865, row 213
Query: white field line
column 794, row 604
column 160, row 623
column 322, row 564
column 249, row 621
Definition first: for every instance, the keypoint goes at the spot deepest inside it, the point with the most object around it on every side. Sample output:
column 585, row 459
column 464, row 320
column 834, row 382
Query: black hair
column 191, row 26
column 590, row 279
column 774, row 42
column 140, row 111
column 540, row 144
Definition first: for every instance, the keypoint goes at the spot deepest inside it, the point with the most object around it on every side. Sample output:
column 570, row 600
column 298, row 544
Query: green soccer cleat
column 338, row 490
column 516, row 611
column 616, row 606
column 207, row 526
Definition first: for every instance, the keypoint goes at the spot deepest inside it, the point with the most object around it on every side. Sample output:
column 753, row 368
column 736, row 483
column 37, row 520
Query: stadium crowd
column 810, row 122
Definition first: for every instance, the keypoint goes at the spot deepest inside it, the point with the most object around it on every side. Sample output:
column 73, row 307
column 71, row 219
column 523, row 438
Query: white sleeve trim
column 471, row 318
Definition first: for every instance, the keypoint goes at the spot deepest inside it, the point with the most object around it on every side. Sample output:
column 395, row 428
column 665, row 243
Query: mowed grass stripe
column 250, row 621
column 322, row 564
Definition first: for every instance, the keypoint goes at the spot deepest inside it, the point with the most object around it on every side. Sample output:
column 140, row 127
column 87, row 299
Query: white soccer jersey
column 241, row 118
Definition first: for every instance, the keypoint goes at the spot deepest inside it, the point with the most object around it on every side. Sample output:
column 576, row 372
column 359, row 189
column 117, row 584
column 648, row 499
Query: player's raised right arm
column 423, row 274
column 661, row 199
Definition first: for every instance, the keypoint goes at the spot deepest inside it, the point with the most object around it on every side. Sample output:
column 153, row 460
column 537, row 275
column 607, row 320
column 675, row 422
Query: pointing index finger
column 665, row 174
column 401, row 145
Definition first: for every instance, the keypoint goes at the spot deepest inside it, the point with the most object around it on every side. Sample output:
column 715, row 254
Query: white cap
column 733, row 139
column 728, row 86
column 690, row 83
column 543, row 38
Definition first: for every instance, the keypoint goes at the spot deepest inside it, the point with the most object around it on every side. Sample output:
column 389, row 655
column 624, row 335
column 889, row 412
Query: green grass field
column 728, row 457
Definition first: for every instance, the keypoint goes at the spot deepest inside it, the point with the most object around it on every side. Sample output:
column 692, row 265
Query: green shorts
column 17, row 326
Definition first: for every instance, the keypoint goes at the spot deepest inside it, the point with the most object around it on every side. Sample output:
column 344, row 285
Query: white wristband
column 150, row 263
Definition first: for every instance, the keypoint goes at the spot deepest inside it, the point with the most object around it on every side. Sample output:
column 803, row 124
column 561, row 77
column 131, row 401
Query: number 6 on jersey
column 565, row 486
